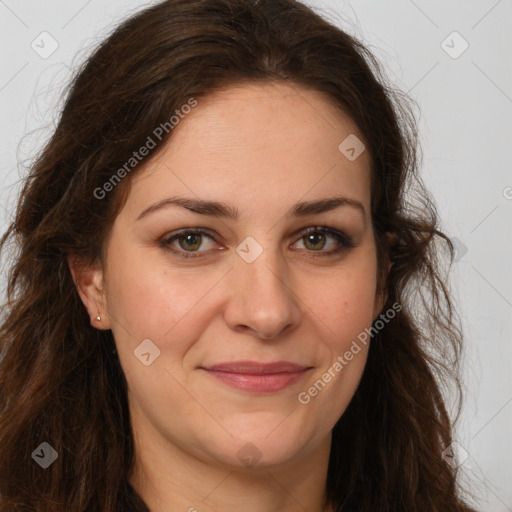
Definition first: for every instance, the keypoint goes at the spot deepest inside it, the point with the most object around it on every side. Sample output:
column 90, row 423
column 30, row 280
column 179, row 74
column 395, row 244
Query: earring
column 98, row 318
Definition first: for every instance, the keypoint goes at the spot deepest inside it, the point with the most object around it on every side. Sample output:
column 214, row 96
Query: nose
column 262, row 302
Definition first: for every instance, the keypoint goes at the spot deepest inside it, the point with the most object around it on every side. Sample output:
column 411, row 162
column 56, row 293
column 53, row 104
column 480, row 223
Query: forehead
column 257, row 141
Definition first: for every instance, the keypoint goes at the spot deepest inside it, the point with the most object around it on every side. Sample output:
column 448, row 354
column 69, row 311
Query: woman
column 212, row 299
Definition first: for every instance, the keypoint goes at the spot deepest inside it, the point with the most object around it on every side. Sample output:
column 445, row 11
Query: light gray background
column 466, row 135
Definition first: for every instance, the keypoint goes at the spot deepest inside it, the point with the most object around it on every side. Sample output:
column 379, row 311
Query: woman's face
column 257, row 285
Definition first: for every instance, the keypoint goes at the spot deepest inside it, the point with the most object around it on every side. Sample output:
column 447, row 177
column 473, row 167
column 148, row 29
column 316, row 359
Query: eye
column 189, row 242
column 317, row 238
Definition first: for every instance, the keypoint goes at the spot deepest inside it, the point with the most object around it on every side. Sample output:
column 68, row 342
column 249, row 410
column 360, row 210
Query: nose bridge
column 261, row 299
column 265, row 277
column 266, row 273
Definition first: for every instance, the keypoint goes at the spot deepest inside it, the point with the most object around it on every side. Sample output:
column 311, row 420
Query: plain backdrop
column 453, row 58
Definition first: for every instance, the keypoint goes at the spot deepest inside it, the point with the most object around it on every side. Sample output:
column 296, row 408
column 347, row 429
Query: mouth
column 256, row 377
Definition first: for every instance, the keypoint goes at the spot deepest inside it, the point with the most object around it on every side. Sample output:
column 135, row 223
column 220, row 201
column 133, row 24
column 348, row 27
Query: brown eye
column 317, row 238
column 192, row 242
column 187, row 243
column 315, row 241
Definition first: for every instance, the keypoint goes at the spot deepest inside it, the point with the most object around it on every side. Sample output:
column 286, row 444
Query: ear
column 380, row 300
column 90, row 285
column 381, row 296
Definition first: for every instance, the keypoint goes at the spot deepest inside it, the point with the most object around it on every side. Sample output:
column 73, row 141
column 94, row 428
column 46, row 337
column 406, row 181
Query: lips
column 256, row 377
column 256, row 368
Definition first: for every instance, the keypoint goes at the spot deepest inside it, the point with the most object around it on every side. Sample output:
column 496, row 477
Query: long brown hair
column 60, row 379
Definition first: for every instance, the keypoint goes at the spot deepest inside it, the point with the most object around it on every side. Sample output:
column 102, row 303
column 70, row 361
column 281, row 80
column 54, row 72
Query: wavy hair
column 61, row 380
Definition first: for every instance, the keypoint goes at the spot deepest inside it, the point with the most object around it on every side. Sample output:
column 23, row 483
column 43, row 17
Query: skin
column 261, row 149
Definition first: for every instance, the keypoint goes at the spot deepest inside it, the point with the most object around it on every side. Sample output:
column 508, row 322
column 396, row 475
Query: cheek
column 346, row 313
column 345, row 303
column 147, row 299
column 149, row 302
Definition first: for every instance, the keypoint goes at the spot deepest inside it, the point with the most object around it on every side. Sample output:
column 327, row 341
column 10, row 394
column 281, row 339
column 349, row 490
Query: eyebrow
column 223, row 210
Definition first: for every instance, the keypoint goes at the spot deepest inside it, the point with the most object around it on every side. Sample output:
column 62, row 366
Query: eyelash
column 344, row 240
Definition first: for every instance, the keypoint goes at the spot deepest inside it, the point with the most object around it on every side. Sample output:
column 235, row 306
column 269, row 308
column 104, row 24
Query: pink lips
column 257, row 377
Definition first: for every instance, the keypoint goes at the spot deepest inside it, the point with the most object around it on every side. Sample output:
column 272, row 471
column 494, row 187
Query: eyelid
column 167, row 239
column 346, row 242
